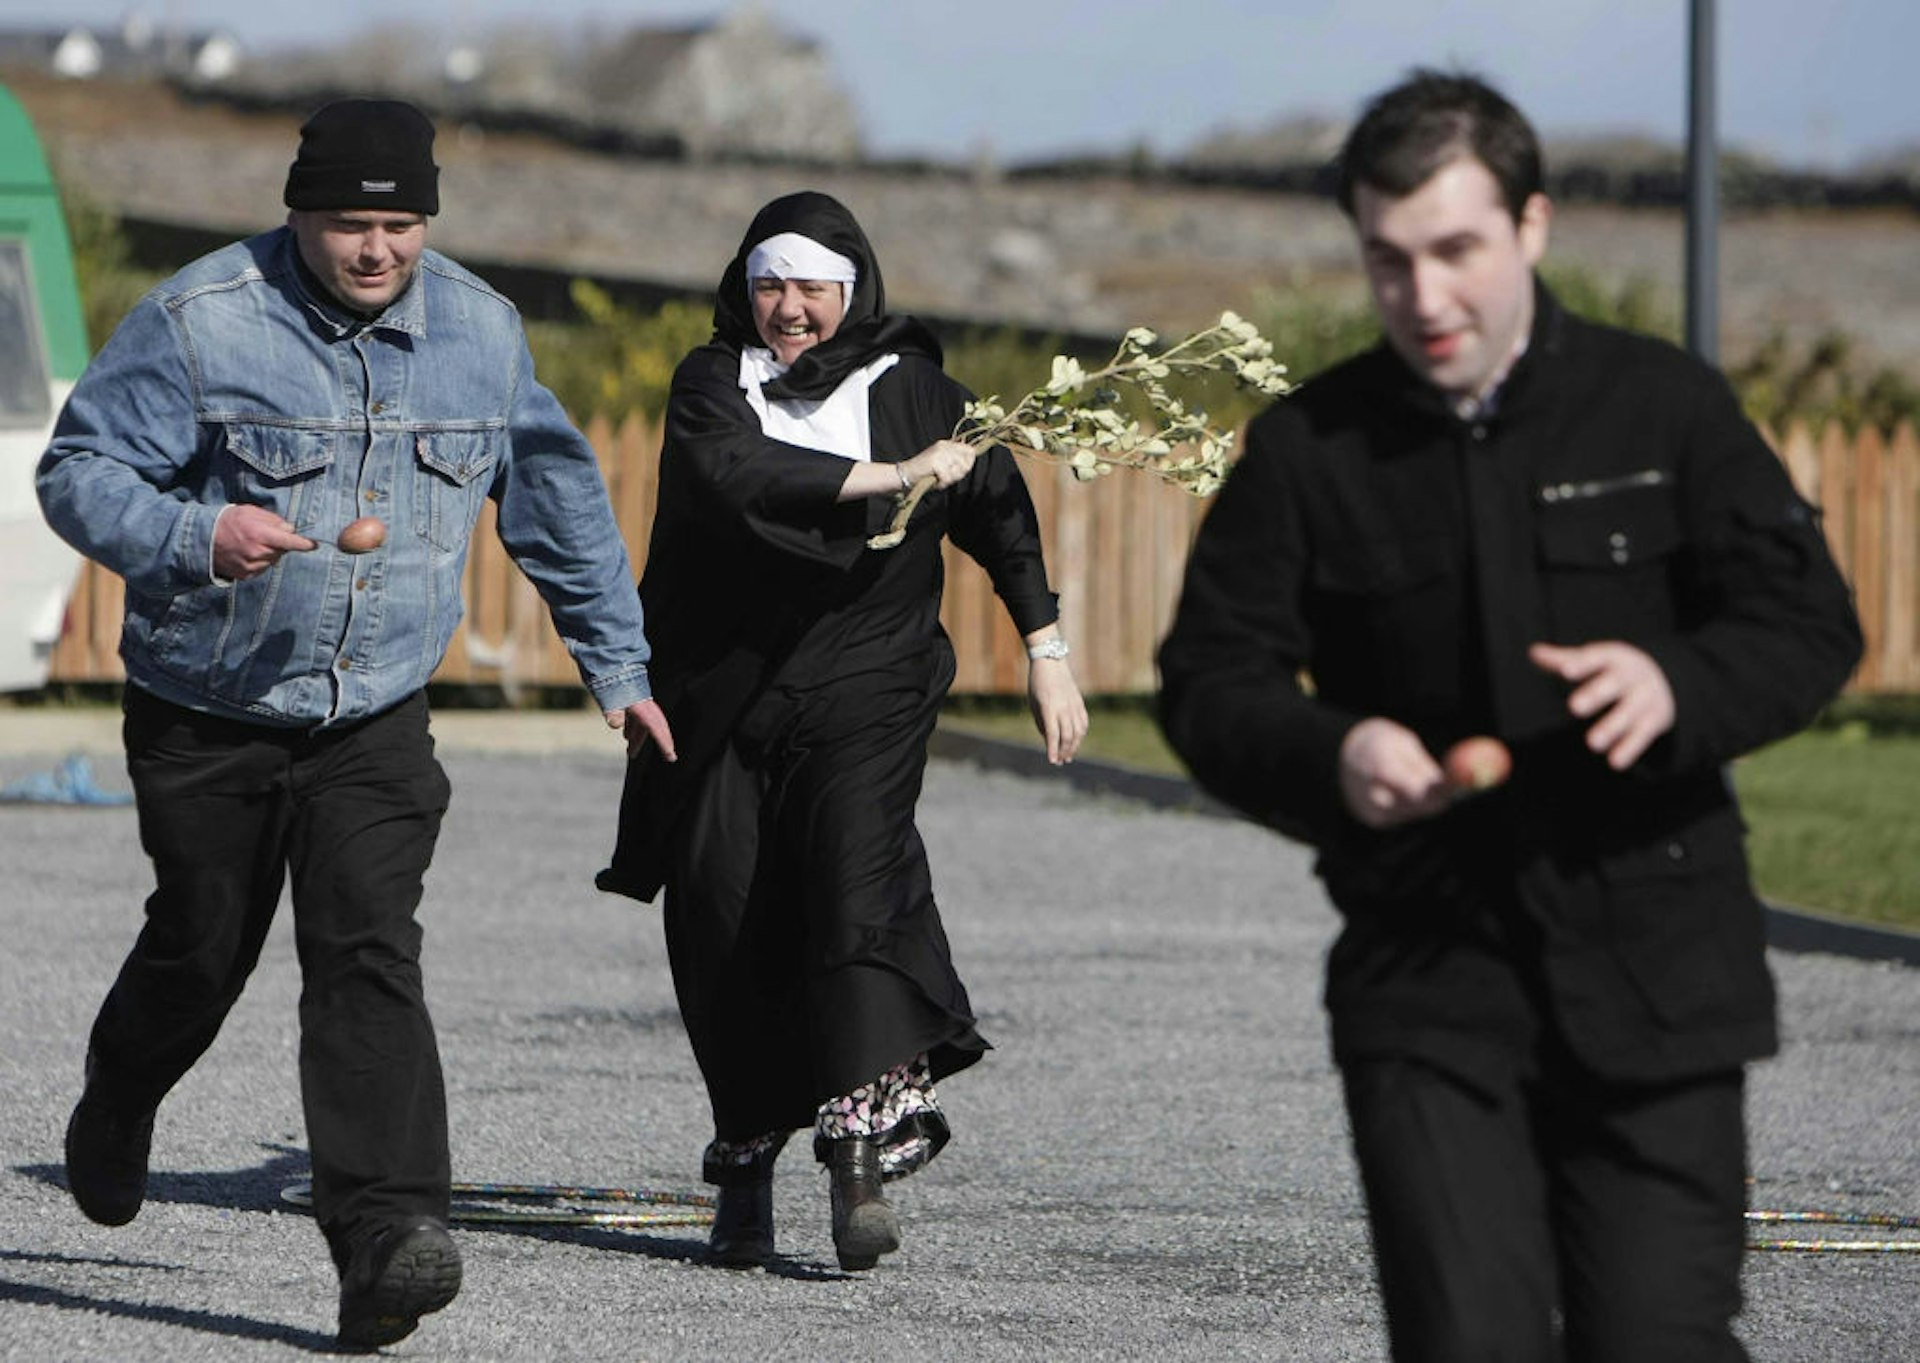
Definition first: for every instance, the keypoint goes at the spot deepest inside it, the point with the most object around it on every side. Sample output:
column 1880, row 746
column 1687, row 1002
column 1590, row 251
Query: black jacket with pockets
column 1374, row 554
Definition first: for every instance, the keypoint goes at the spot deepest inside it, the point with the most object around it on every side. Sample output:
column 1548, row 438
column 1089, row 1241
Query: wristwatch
column 1056, row 647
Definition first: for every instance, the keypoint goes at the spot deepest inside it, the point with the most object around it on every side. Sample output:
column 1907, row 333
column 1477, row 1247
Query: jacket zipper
column 1600, row 487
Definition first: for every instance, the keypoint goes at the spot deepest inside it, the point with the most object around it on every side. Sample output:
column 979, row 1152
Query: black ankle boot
column 864, row 1226
column 742, row 1234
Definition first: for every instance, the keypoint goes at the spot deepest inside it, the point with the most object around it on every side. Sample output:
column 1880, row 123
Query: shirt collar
column 1483, row 404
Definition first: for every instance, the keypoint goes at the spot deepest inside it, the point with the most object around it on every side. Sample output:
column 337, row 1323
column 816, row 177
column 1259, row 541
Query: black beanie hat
column 366, row 153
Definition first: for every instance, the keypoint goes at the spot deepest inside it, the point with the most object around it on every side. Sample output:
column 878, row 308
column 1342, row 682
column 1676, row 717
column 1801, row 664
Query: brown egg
column 363, row 536
column 1475, row 764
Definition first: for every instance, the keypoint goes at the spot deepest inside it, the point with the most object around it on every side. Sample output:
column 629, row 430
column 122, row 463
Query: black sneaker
column 107, row 1153
column 405, row 1272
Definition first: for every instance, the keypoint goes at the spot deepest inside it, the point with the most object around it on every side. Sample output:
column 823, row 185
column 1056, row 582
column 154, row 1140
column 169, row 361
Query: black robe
column 802, row 673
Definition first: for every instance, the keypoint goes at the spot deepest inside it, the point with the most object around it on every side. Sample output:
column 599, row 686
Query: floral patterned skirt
column 899, row 1112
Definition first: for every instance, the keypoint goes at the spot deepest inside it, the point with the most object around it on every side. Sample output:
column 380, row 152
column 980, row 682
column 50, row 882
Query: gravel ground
column 1152, row 1164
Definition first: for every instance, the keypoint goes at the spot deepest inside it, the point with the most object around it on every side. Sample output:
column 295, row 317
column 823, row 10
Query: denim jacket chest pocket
column 278, row 467
column 1607, row 550
column 454, row 470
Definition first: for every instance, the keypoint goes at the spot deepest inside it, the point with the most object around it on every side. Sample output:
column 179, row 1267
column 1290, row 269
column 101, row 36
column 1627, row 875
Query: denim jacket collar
column 407, row 313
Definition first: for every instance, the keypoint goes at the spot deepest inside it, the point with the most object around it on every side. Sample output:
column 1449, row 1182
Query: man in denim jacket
column 242, row 415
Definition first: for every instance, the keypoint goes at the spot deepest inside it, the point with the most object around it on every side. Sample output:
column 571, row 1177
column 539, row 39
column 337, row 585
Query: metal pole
column 1703, row 188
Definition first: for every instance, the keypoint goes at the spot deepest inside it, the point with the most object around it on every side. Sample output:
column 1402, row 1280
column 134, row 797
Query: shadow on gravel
column 25, row 1256
column 259, row 1189
column 206, row 1322
column 241, row 1190
column 685, row 1249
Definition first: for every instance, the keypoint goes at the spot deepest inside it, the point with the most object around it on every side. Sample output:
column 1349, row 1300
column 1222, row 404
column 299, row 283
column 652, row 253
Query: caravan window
column 25, row 397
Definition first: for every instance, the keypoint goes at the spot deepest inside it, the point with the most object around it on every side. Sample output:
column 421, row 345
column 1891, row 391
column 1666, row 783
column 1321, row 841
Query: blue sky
column 1021, row 78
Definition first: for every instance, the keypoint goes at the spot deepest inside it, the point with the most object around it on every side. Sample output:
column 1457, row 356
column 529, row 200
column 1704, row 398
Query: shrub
column 103, row 268
column 616, row 359
column 1822, row 382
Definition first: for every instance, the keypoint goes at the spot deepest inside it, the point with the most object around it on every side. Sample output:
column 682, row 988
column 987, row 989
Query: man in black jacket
column 1506, row 521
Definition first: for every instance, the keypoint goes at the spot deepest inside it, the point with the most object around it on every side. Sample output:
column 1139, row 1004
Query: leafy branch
column 1077, row 418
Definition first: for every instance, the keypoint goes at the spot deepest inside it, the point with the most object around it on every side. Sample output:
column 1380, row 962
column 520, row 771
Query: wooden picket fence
column 1116, row 549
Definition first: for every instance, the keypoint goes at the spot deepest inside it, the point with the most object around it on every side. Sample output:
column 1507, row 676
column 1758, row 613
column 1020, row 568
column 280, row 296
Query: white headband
column 788, row 255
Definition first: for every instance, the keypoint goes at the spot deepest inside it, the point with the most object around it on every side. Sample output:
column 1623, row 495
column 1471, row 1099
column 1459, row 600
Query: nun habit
column 803, row 673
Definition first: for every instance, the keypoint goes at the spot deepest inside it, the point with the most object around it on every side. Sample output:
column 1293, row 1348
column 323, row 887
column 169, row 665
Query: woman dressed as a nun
column 803, row 672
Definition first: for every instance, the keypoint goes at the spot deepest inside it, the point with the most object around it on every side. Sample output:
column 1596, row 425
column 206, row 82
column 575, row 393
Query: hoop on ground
column 519, row 1204
column 1874, row 1220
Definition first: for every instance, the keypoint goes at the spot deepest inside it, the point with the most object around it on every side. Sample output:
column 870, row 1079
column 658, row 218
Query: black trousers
column 807, row 949
column 228, row 812
column 1556, row 1217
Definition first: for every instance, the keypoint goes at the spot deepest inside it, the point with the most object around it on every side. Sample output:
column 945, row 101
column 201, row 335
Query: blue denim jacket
column 230, row 383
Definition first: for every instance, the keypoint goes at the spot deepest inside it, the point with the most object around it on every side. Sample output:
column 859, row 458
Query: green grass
column 1122, row 731
column 1833, row 829
column 1830, row 811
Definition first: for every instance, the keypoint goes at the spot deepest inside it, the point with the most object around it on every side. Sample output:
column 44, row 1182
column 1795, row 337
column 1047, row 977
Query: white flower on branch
column 1077, row 419
column 1067, row 375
